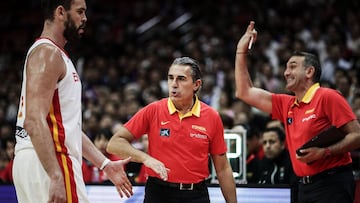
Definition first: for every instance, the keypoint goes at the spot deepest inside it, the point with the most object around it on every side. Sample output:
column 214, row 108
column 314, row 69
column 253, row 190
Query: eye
column 292, row 67
column 81, row 11
column 182, row 78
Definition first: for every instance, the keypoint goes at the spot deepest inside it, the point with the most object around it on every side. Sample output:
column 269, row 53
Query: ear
column 310, row 71
column 60, row 12
column 197, row 85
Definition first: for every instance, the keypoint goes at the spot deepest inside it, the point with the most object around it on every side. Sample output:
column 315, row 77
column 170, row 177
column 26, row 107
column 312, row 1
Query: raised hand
column 248, row 39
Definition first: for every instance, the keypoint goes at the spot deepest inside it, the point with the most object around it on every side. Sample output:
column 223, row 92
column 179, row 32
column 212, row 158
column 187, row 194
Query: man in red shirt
column 326, row 174
column 182, row 132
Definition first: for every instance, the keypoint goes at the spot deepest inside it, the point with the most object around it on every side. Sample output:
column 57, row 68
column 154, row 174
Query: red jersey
column 319, row 109
column 182, row 142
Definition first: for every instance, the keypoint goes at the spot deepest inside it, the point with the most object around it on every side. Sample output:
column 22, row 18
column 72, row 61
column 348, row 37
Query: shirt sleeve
column 138, row 125
column 280, row 103
column 337, row 108
column 217, row 145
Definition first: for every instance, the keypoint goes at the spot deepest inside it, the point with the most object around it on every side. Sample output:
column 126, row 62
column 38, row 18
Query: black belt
column 180, row 186
column 324, row 174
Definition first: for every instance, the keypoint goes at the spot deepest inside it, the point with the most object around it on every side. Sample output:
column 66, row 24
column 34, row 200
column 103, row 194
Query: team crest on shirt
column 76, row 77
column 289, row 121
column 165, row 132
column 310, row 111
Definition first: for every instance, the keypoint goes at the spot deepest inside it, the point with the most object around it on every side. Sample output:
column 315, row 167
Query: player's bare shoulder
column 46, row 58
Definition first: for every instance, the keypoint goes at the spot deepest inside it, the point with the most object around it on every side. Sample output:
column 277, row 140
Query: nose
column 173, row 83
column 286, row 73
column 84, row 19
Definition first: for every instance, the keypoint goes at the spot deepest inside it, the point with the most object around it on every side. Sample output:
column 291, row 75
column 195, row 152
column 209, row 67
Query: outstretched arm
column 245, row 90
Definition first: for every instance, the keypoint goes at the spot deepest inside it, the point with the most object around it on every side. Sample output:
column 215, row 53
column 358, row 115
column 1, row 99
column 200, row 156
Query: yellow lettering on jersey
column 196, row 127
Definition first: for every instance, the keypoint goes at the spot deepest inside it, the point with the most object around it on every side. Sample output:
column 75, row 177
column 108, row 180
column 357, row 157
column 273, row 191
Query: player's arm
column 245, row 90
column 113, row 169
column 44, row 69
column 225, row 177
column 120, row 145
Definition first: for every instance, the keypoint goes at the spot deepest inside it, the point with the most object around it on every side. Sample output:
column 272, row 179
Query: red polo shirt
column 319, row 109
column 182, row 142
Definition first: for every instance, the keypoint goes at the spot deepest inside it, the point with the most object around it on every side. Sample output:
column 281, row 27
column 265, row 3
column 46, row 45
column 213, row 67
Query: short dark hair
column 195, row 68
column 102, row 132
column 252, row 132
column 278, row 131
column 311, row 60
column 49, row 7
column 227, row 120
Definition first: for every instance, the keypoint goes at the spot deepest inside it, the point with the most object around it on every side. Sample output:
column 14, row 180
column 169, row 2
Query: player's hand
column 57, row 192
column 115, row 172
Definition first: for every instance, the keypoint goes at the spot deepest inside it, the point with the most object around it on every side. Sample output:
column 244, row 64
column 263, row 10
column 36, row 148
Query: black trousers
column 337, row 187
column 158, row 193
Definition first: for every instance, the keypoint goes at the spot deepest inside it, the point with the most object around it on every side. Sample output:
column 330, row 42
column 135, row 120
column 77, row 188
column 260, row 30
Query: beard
column 71, row 32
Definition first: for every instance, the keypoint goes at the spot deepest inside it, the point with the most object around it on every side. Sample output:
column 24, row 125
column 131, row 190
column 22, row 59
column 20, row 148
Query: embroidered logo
column 289, row 121
column 75, row 76
column 164, row 122
column 164, row 132
column 21, row 132
column 196, row 127
column 312, row 116
column 310, row 111
column 200, row 136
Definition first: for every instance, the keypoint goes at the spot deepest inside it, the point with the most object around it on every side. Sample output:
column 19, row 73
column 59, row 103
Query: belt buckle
column 189, row 186
column 306, row 179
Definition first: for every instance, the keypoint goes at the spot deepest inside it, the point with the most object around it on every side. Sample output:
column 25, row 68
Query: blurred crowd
column 129, row 45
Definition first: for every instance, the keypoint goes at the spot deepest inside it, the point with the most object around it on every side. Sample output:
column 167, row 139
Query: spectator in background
column 227, row 120
column 274, row 123
column 8, row 145
column 268, row 78
column 344, row 84
column 275, row 167
column 254, row 153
